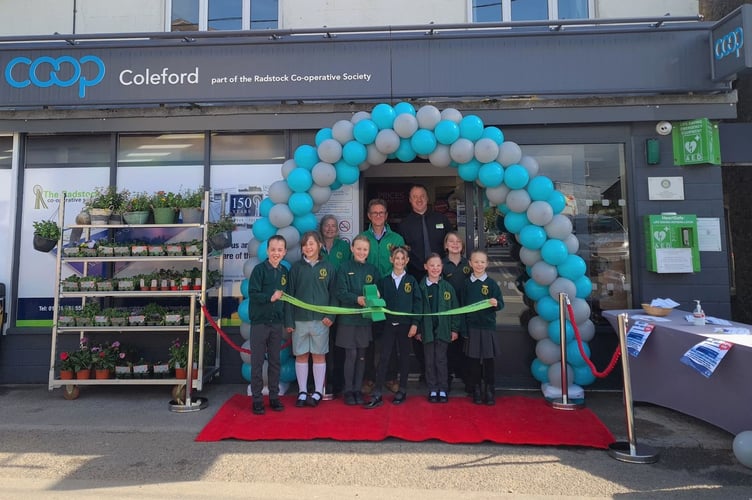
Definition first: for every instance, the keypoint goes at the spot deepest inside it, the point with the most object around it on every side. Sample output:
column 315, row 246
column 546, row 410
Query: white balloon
column 293, row 254
column 559, row 228
column 537, row 327
column 405, row 125
column 547, row 351
column 554, row 375
column 452, row 115
column 530, row 164
column 540, row 213
column 486, row 150
column 290, row 234
column 287, row 167
column 428, row 116
column 330, row 151
column 529, row 257
column 324, row 174
column 320, row 195
column 440, row 156
column 279, row 191
column 387, row 141
column 248, row 266
column 572, row 244
column 497, row 195
column 518, row 200
column 342, row 131
column 587, row 330
column 544, row 273
column 509, row 153
column 462, row 150
column 364, row 166
column 581, row 310
column 253, row 245
column 245, row 330
column 360, row 116
column 562, row 285
column 280, row 215
column 374, row 156
column 742, row 446
column 244, row 355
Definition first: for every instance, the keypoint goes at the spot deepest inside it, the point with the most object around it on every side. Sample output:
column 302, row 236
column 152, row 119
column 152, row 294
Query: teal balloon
column 574, row 357
column 469, row 171
column 471, row 127
column 262, row 254
column 286, row 264
column 540, row 188
column 533, row 237
column 423, row 141
column 491, row 174
column 572, row 268
column 535, row 290
column 285, row 354
column 306, row 156
column 335, row 185
column 515, row 221
column 322, row 135
column 504, row 209
column 516, row 176
column 265, row 206
column 365, row 131
column 493, row 133
column 554, row 252
column 555, row 335
column 300, row 180
column 547, row 308
column 405, row 151
column 243, row 311
column 244, row 288
column 558, row 201
column 300, row 203
column 446, row 132
column 346, row 173
column 354, row 152
column 304, row 223
column 583, row 375
column 245, row 372
column 584, row 287
column 404, row 107
column 287, row 371
column 539, row 370
column 383, row 116
column 263, row 229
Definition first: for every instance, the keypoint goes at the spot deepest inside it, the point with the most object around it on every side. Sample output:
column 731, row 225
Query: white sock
column 301, row 372
column 319, row 376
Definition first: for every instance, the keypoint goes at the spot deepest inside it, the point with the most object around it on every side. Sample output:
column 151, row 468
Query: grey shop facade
column 225, row 110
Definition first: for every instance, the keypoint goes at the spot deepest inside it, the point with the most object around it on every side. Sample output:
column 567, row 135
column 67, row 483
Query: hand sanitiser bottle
column 698, row 316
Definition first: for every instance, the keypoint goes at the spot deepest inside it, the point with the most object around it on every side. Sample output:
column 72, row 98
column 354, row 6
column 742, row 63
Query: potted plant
column 67, row 366
column 70, row 283
column 194, row 247
column 67, row 316
column 161, row 369
column 104, row 359
column 106, row 248
column 174, row 249
column 125, row 284
column 85, row 316
column 88, row 283
column 82, row 359
column 46, row 235
column 116, row 316
column 87, row 248
column 136, row 209
column 164, row 204
column 102, row 203
column 154, row 314
column 141, row 369
column 219, row 233
column 189, row 202
column 139, row 249
column 121, row 249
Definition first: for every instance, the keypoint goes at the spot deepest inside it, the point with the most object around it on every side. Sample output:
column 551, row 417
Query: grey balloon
column 509, row 153
column 320, row 194
column 245, row 330
column 529, row 256
column 518, row 200
column 360, row 116
column 540, row 213
column 554, row 375
column 530, row 164
column 342, row 131
column 374, row 156
column 324, row 174
column 290, row 234
column 587, row 330
column 293, row 254
column 562, row 285
column 572, row 244
column 428, row 116
column 280, row 215
column 581, row 310
column 279, row 191
column 486, row 150
column 560, row 227
column 547, row 351
column 440, row 156
column 330, row 151
column 387, row 141
column 544, row 273
column 287, row 167
column 462, row 150
column 253, row 245
column 405, row 125
column 497, row 195
column 537, row 327
column 248, row 266
column 451, row 114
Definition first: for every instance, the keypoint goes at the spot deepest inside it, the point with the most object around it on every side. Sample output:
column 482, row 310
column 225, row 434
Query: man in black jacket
column 423, row 231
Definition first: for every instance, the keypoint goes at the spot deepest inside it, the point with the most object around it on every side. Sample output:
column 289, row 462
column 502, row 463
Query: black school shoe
column 314, row 401
column 443, row 398
column 433, row 398
column 375, row 402
column 350, row 399
column 358, row 397
column 301, row 401
column 258, row 408
column 399, row 398
column 276, row 405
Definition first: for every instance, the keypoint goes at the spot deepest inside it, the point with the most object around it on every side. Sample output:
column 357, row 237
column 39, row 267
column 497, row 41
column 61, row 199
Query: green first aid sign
column 696, row 142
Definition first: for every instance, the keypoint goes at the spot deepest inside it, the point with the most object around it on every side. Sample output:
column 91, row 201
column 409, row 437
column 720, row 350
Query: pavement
column 124, row 442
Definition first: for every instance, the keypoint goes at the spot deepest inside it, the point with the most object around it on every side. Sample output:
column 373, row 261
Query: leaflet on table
column 647, row 317
column 637, row 336
column 665, row 303
column 732, row 330
column 709, row 320
column 706, row 356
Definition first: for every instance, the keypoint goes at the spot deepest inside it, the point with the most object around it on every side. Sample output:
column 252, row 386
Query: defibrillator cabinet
column 672, row 243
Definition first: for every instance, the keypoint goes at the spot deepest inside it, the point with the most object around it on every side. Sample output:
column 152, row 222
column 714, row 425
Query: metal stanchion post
column 629, row 451
column 563, row 402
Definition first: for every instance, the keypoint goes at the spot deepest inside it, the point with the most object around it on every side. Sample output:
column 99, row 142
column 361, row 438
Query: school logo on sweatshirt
column 484, row 290
column 408, row 287
column 447, row 296
column 323, row 273
column 283, row 280
column 369, row 278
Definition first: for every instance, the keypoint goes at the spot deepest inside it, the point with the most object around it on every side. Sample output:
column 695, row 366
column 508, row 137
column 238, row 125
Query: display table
column 658, row 376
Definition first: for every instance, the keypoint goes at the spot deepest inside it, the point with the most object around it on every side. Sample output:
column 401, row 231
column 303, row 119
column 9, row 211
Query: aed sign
column 730, row 51
column 696, row 142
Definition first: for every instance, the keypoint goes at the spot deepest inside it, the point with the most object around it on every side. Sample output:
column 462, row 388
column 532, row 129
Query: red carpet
column 513, row 420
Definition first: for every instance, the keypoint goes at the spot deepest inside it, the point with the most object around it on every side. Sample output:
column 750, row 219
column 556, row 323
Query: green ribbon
column 483, row 304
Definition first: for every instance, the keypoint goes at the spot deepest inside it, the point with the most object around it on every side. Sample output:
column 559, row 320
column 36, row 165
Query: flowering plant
column 164, row 199
column 191, row 198
column 83, row 357
column 138, row 202
column 178, row 354
column 105, row 356
column 67, row 362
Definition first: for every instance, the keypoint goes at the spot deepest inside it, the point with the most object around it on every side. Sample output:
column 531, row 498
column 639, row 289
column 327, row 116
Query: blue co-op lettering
column 65, row 65
column 730, row 43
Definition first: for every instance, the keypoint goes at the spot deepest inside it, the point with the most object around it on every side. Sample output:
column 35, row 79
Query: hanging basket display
column 220, row 241
column 42, row 244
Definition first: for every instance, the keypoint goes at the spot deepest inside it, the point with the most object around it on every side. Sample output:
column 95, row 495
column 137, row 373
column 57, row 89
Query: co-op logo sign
column 730, row 43
column 87, row 71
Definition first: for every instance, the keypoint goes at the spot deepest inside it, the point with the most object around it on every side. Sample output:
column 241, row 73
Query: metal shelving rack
column 182, row 399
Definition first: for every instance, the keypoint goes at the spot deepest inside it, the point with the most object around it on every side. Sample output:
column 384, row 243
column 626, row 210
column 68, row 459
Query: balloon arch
column 531, row 207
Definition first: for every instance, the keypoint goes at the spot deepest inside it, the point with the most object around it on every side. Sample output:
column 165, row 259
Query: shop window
column 67, row 150
column 223, row 15
column 161, row 149
column 6, row 152
column 485, row 11
column 185, row 15
column 247, row 148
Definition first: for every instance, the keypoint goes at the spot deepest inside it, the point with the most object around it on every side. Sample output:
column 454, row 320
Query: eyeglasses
column 377, row 214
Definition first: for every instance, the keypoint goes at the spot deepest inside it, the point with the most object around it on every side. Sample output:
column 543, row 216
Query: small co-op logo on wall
column 39, row 202
column 64, row 71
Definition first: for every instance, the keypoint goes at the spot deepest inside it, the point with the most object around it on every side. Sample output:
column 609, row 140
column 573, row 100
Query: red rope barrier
column 593, row 369
column 226, row 338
